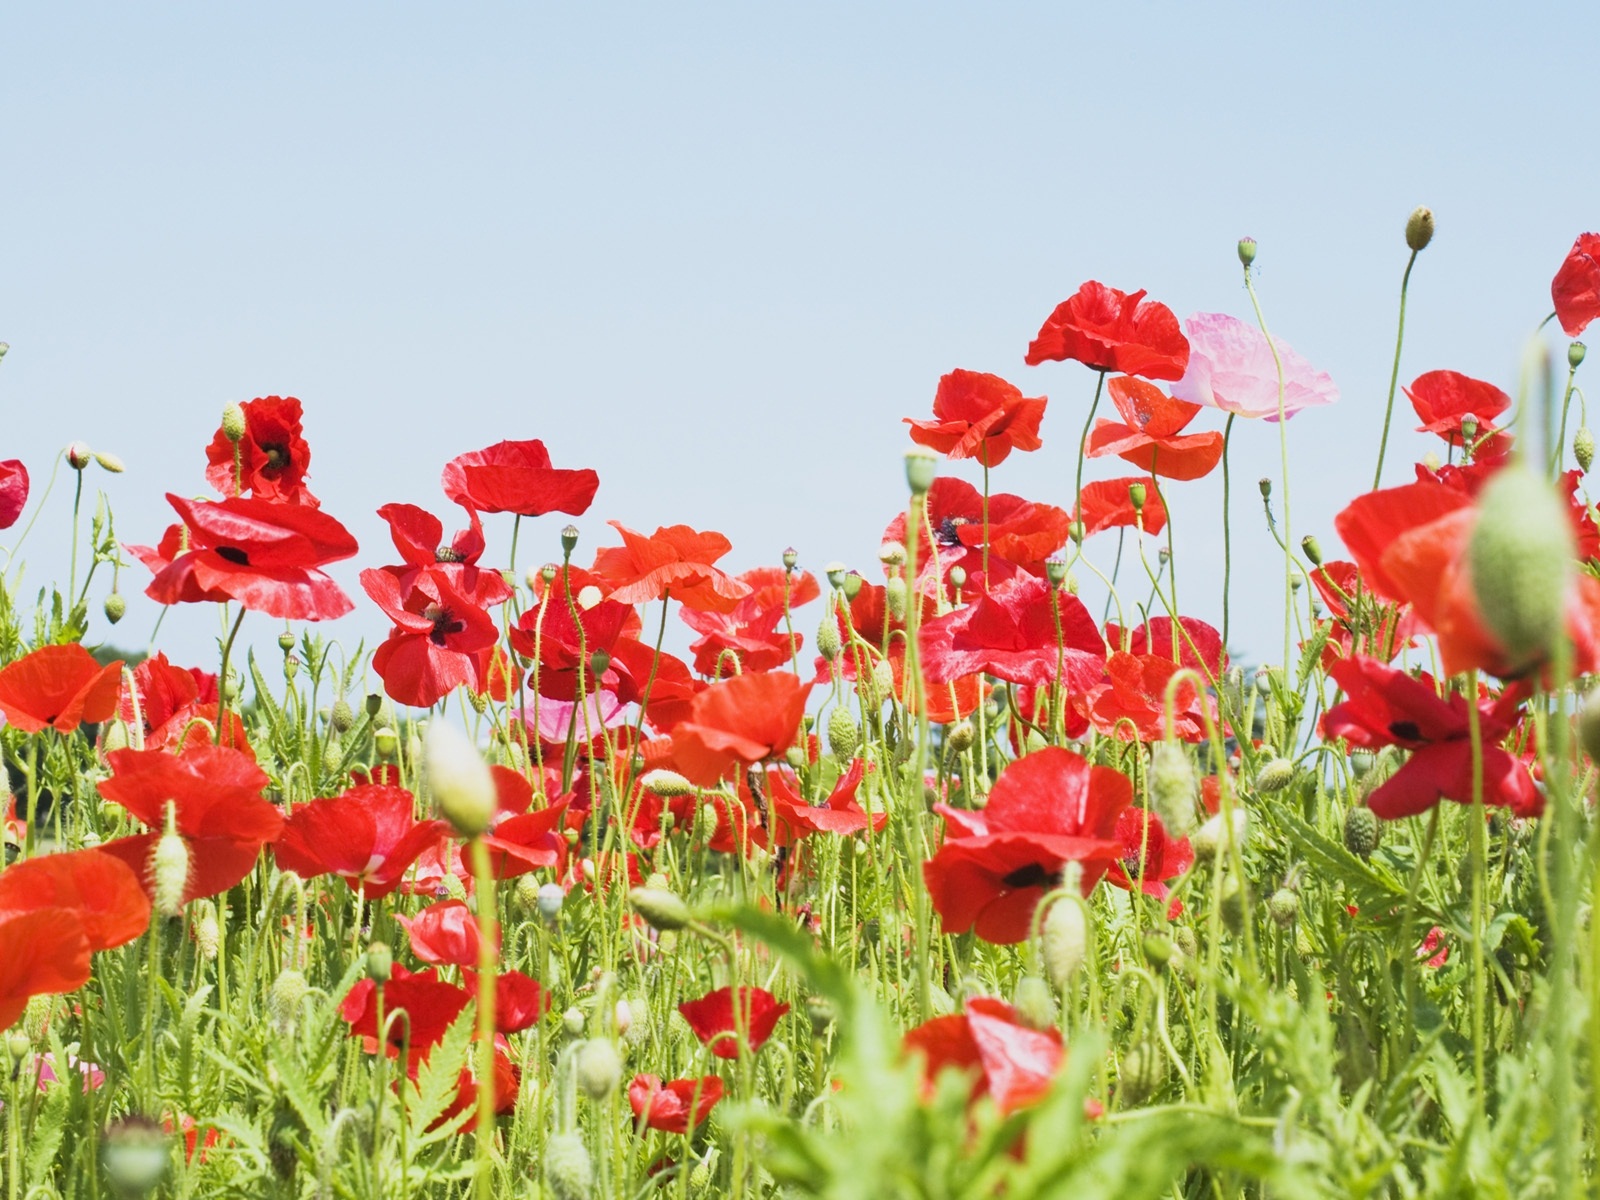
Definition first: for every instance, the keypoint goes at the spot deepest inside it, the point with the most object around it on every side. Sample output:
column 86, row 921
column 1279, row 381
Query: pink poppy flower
column 1231, row 368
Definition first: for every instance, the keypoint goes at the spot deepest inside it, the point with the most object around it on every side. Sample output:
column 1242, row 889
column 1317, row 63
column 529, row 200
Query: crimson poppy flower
column 1150, row 434
column 1046, row 809
column 13, row 491
column 713, row 1021
column 42, row 952
column 173, row 704
column 519, row 1001
column 1576, row 287
column 527, row 841
column 1107, row 504
column 265, row 555
column 562, row 637
column 1022, row 534
column 1442, row 398
column 440, row 640
column 1386, row 707
column 516, row 477
column 792, row 818
column 507, row 1082
column 59, row 687
column 1131, row 704
column 673, row 559
column 444, row 934
column 1192, row 643
column 102, row 893
column 430, row 1004
column 1008, row 1060
column 1151, row 857
column 273, row 454
column 419, row 537
column 749, row 634
column 216, row 793
column 1110, row 330
column 368, row 836
column 674, row 1107
column 742, row 721
column 979, row 416
column 1011, row 633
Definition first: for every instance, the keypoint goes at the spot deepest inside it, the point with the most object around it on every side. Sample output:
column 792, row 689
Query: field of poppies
column 923, row 880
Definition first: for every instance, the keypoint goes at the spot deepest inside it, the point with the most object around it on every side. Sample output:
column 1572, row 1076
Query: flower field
column 983, row 871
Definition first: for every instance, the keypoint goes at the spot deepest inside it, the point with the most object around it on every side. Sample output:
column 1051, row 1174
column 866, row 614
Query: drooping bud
column 343, row 717
column 1521, row 557
column 135, row 1155
column 1035, row 1006
column 572, row 1021
column 921, row 467
column 459, row 779
column 109, row 462
column 1064, row 941
column 1140, row 1074
column 1361, row 831
column 844, row 735
column 169, row 868
column 1211, row 838
column 1173, row 788
column 115, row 607
column 666, row 783
column 1419, row 229
column 1275, row 775
column 568, row 1173
column 1234, row 903
column 1312, row 548
column 283, row 999
column 662, row 908
column 852, row 585
column 1583, row 447
column 1247, row 251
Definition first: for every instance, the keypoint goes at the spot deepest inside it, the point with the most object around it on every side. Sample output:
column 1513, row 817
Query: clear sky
column 717, row 251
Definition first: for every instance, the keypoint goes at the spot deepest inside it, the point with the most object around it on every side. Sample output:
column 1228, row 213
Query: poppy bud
column 894, row 597
column 283, row 1000
column 958, row 577
column 1076, row 532
column 342, row 718
column 208, row 937
column 599, row 1068
column 1035, row 1006
column 960, row 736
column 1419, row 229
column 1172, row 787
column 234, row 425
column 1431, row 461
column 115, row 607
column 1235, row 903
column 169, row 868
column 1312, row 548
column 921, row 467
column 1140, row 1074
column 1064, row 941
column 332, row 755
column 109, row 462
column 1136, row 495
column 1247, row 251
column 1361, row 831
column 1520, row 554
column 662, row 908
column 79, row 455
column 1208, row 840
column 1575, row 353
column 380, row 962
column 852, row 585
column 115, row 737
column 572, row 1021
column 882, row 679
column 666, row 783
column 844, row 735
column 135, row 1155
column 1275, row 775
column 17, row 1046
column 549, row 900
column 1583, row 447
column 1283, row 907
column 4, row 348
column 820, row 1012
column 568, row 1173
column 462, row 787
column 892, row 554
column 1265, row 485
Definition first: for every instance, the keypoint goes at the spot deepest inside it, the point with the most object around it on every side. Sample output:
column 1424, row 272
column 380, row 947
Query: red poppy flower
column 1471, row 478
column 1434, row 953
column 100, row 891
column 1442, row 398
column 528, row 841
column 1022, row 534
column 1576, row 287
column 1106, row 504
column 563, row 643
column 13, row 491
column 519, row 1001
column 750, row 634
column 368, row 836
column 1008, row 1060
column 507, row 1081
column 712, row 1019
column 429, row 1002
column 674, row 1107
column 216, row 791
column 1386, row 707
column 792, row 818
column 419, row 537
column 979, row 416
column 674, row 559
column 59, row 687
column 273, row 455
column 1046, row 809
column 265, row 555
column 440, row 640
column 1131, row 704
column 1011, row 633
column 42, row 952
column 742, row 721
column 1150, row 855
column 1192, row 643
column 444, row 934
column 1150, row 435
column 173, row 704
column 1110, row 330
column 516, row 477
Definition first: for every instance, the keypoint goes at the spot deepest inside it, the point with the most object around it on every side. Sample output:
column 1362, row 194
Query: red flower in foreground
column 1006, row 1059
column 59, row 687
column 979, row 416
column 1150, row 435
column 750, row 634
column 1113, row 331
column 169, row 703
column 1442, row 398
column 792, row 818
column 273, row 454
column 516, row 477
column 1576, row 287
column 429, row 1002
column 42, row 952
column 445, row 934
column 1011, row 633
column 1106, row 504
column 441, row 639
column 1022, row 534
column 368, row 836
column 743, row 721
column 419, row 537
column 101, row 892
column 265, row 555
column 1386, row 707
column 13, row 491
column 1047, row 809
column 675, row 1107
column 712, row 1019
column 673, row 560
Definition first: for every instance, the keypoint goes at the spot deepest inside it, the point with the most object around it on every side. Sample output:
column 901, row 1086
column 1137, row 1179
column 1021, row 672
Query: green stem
column 1479, row 850
column 1394, row 374
column 222, row 679
column 488, row 965
column 1083, row 446
column 1283, row 454
column 72, row 570
column 1227, row 535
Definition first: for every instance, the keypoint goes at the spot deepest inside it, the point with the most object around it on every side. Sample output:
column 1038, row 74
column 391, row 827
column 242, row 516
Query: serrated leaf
column 438, row 1078
column 1376, row 894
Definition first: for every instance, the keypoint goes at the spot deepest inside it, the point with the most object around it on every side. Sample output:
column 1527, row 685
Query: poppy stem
column 72, row 569
column 1394, row 372
column 1559, row 448
column 1083, row 444
column 1283, row 454
column 1408, row 957
column 488, row 965
column 1479, row 850
column 222, row 679
column 1227, row 534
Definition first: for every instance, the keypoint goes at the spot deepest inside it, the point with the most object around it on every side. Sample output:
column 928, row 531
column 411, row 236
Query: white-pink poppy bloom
column 1231, row 368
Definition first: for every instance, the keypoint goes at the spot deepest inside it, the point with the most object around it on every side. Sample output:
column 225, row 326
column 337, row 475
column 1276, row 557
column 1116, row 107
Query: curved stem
column 1083, row 445
column 1394, row 372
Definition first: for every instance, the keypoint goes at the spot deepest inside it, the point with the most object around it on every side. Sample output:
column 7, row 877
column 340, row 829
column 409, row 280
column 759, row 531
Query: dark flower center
column 948, row 532
column 1032, row 875
column 277, row 455
column 1405, row 730
column 444, row 621
column 234, row 555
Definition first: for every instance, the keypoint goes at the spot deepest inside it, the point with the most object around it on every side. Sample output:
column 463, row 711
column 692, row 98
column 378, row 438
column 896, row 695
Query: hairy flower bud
column 169, row 870
column 1173, row 787
column 1521, row 557
column 79, row 455
column 665, row 783
column 844, row 735
column 1583, row 447
column 380, row 962
column 1283, row 907
column 960, row 736
column 134, row 1151
column 1361, row 831
column 1064, row 941
column 110, row 462
column 1035, row 1006
column 115, row 607
column 1275, row 775
column 208, row 937
column 1419, row 229
column 895, row 597
column 1212, row 837
column 234, row 425
column 1140, row 1074
column 549, row 900
column 283, row 1000
column 343, row 717
column 661, row 907
column 568, row 1173
column 599, row 1068
column 462, row 787
column 829, row 643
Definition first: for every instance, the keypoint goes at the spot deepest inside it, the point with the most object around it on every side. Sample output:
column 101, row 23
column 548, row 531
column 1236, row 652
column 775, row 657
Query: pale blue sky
column 716, row 252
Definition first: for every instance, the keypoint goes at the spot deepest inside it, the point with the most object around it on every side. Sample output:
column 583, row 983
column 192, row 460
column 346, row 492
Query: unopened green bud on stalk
column 134, row 1151
column 568, row 1172
column 79, row 455
column 844, row 735
column 921, row 467
column 115, row 607
column 662, row 908
column 1312, row 548
column 1361, row 831
column 895, row 597
column 459, row 780
column 1064, row 941
column 234, row 425
column 1419, row 229
column 1283, row 907
column 342, row 717
column 283, row 1000
column 109, row 462
column 1521, row 558
column 1583, row 447
column 599, row 1068
column 1275, row 775
column 666, row 783
column 380, row 962
column 960, row 736
column 1076, row 531
column 1173, row 788
column 1035, row 1006
column 169, row 868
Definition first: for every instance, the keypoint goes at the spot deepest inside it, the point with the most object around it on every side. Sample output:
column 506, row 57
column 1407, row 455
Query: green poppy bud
column 1035, row 1006
column 844, row 735
column 1275, row 775
column 115, row 607
column 1583, row 447
column 1419, row 229
column 283, row 1000
column 462, row 787
column 662, row 908
column 666, row 783
column 1173, row 787
column 921, row 467
column 135, row 1155
column 1283, row 907
column 343, row 717
column 852, row 585
column 1521, row 557
column 1312, row 548
column 1064, row 941
column 568, row 1172
column 1361, row 831
column 599, row 1068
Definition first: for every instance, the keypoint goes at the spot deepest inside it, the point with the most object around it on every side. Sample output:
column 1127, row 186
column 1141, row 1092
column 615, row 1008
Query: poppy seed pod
column 1575, row 353
column 852, row 585
column 1265, row 485
column 234, row 425
column 892, row 554
column 791, row 558
column 569, row 539
column 1055, row 570
column 599, row 1068
column 1283, row 907
column 462, row 787
column 921, row 467
column 1312, row 548
column 958, row 577
column 380, row 962
column 1419, row 229
column 960, row 736
column 1247, row 251
column 1136, row 496
column 1521, row 557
